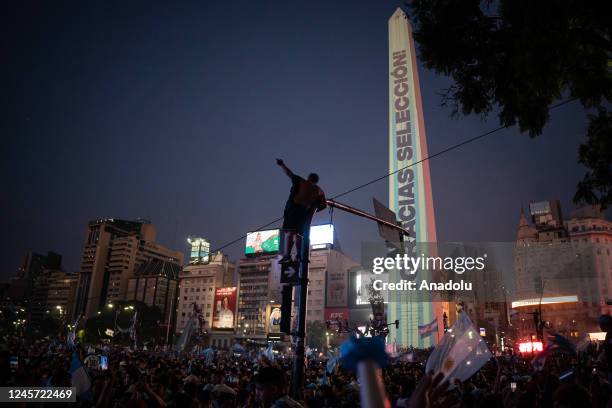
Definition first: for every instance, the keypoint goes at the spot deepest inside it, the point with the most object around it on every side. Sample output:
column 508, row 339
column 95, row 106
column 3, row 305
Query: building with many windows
column 197, row 285
column 114, row 250
column 259, row 293
column 563, row 267
column 24, row 283
column 155, row 283
column 53, row 294
column 328, row 283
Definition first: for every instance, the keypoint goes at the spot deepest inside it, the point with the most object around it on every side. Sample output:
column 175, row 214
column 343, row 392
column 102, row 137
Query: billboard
column 273, row 318
column 224, row 311
column 200, row 251
column 336, row 288
column 361, row 282
column 262, row 242
column 341, row 314
column 322, row 234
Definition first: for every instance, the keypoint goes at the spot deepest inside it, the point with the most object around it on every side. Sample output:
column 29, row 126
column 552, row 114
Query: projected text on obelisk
column 410, row 187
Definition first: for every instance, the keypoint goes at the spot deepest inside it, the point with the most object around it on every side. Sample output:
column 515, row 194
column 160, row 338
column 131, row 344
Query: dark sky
column 175, row 112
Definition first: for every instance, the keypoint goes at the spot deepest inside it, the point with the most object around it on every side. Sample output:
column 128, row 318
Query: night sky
column 175, row 112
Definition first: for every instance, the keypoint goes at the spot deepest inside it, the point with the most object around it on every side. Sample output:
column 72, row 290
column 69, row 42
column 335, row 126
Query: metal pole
column 170, row 318
column 297, row 381
column 364, row 214
column 539, row 329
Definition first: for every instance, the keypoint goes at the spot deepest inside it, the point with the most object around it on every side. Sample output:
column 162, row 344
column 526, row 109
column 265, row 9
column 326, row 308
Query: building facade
column 33, row 265
column 155, row 283
column 259, row 292
column 328, row 284
column 114, row 249
column 563, row 268
column 53, row 294
column 197, row 285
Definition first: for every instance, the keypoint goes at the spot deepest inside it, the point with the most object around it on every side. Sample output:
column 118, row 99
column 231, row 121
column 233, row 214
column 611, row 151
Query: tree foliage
column 148, row 326
column 315, row 331
column 518, row 57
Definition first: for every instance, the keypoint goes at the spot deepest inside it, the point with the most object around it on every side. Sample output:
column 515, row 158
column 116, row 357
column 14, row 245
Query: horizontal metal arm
column 355, row 211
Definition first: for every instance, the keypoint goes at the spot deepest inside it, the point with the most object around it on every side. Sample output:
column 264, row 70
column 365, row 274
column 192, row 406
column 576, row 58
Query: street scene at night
column 377, row 203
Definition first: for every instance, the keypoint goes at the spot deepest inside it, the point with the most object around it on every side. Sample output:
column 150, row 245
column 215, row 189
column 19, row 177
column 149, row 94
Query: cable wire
column 439, row 153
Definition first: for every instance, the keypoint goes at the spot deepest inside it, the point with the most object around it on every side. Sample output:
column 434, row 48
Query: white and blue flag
column 429, row 328
column 80, row 379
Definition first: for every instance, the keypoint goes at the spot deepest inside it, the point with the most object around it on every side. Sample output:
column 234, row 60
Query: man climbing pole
column 305, row 198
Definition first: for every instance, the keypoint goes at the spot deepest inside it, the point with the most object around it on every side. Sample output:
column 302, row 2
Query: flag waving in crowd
column 429, row 328
column 461, row 352
column 80, row 378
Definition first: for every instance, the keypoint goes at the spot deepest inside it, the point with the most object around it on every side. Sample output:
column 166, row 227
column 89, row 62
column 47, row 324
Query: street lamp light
column 110, row 305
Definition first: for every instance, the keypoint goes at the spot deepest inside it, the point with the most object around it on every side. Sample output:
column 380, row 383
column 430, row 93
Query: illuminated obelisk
column 410, row 188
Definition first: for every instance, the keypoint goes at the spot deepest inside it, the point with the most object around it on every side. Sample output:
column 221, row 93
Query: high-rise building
column 53, row 294
column 197, row 285
column 564, row 268
column 259, row 293
column 33, row 265
column 114, row 249
column 155, row 283
column 410, row 195
column 259, row 287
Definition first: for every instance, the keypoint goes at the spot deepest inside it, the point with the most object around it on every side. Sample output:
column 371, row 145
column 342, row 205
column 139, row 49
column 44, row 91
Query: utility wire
column 441, row 152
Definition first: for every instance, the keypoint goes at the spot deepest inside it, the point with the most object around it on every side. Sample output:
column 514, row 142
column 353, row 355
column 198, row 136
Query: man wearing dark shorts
column 305, row 198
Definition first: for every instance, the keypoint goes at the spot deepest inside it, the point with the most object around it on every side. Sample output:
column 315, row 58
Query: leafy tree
column 148, row 327
column 596, row 155
column 316, row 334
column 521, row 56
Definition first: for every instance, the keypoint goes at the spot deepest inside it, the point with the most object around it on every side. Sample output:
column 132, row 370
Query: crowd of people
column 249, row 378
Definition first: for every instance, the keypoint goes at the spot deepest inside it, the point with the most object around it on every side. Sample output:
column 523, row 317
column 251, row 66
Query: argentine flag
column 268, row 353
column 461, row 352
column 80, row 379
column 429, row 328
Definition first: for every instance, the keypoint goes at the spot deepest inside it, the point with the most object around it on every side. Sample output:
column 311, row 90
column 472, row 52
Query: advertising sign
column 273, row 318
column 341, row 314
column 337, row 288
column 200, row 251
column 322, row 234
column 361, row 285
column 262, row 242
column 224, row 311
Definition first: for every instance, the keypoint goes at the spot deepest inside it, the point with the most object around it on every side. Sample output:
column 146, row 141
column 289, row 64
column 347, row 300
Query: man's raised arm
column 281, row 163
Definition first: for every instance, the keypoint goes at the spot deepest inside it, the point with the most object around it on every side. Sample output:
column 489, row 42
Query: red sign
column 531, row 346
column 224, row 312
column 341, row 314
